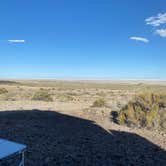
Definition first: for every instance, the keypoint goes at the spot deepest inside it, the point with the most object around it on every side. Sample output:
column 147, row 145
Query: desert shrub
column 99, row 103
column 102, row 94
column 42, row 95
column 3, row 90
column 66, row 98
column 162, row 101
column 145, row 110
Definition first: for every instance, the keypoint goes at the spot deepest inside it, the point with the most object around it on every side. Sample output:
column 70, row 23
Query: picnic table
column 9, row 149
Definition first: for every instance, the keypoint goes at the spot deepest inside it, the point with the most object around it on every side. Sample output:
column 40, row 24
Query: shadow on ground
column 57, row 139
column 114, row 117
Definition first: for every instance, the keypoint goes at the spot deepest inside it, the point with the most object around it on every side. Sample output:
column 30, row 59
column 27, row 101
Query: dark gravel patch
column 57, row 139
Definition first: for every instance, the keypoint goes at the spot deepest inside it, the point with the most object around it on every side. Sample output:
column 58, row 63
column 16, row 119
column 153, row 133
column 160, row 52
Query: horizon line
column 85, row 79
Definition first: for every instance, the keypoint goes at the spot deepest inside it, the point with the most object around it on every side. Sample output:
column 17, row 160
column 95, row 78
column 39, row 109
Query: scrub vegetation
column 3, row 90
column 42, row 95
column 99, row 103
column 147, row 109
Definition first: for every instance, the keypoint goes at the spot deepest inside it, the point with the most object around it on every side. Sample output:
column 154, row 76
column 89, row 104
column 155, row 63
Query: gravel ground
column 59, row 139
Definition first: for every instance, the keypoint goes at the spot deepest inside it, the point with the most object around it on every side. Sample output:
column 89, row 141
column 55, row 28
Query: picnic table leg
column 22, row 159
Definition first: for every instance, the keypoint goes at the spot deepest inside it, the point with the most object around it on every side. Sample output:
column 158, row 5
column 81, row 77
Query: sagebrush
column 145, row 110
column 99, row 103
column 3, row 90
column 42, row 95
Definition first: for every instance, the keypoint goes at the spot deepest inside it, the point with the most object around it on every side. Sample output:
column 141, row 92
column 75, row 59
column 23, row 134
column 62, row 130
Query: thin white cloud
column 156, row 20
column 16, row 41
column 161, row 32
column 141, row 39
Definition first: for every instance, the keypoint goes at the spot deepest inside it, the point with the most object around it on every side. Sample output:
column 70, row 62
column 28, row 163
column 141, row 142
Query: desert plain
column 78, row 122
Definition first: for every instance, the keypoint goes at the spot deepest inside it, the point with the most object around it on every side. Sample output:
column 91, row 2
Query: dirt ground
column 69, row 131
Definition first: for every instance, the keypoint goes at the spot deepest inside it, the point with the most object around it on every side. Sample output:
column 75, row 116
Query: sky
column 92, row 39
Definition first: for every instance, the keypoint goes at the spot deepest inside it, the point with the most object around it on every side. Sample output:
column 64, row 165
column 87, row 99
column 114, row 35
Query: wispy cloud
column 156, row 20
column 141, row 39
column 161, row 32
column 16, row 41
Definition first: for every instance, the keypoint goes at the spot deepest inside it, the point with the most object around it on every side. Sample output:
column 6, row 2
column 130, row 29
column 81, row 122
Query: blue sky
column 110, row 39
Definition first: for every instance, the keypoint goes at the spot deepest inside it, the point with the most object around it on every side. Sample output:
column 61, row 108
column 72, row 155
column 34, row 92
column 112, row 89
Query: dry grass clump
column 145, row 110
column 65, row 98
column 102, row 94
column 99, row 103
column 3, row 90
column 42, row 95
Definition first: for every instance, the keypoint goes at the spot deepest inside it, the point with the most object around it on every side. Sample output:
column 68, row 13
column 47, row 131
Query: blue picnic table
column 10, row 148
